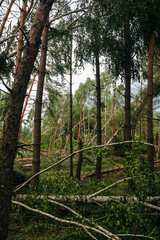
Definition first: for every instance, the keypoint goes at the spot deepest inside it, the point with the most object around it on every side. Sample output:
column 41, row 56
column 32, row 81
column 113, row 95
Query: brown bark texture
column 150, row 101
column 71, row 121
column 6, row 17
column 99, row 132
column 8, row 147
column 20, row 39
column 80, row 160
column 127, row 84
column 38, row 110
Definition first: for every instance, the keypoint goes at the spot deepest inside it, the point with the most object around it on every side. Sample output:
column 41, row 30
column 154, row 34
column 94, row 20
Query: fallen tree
column 88, row 199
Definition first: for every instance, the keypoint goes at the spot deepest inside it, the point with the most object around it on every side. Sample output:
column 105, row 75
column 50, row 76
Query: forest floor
column 118, row 217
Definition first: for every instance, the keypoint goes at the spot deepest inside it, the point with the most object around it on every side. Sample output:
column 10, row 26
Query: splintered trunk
column 127, row 84
column 8, row 147
column 38, row 109
column 150, row 102
column 99, row 133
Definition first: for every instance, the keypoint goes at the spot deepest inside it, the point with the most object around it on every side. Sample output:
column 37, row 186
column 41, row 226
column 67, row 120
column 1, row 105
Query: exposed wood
column 24, row 159
column 88, row 199
column 31, row 150
column 135, row 236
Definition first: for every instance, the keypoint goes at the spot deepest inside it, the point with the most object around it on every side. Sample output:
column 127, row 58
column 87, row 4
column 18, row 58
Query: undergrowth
column 117, row 217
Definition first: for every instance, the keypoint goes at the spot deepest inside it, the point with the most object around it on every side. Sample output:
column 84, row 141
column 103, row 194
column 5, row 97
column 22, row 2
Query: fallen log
column 112, row 170
column 87, row 198
column 105, row 171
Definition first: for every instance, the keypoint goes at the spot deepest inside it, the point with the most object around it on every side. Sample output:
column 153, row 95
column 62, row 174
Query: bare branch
column 86, row 219
column 24, row 35
column 9, row 90
column 135, row 235
column 69, row 13
column 1, row 2
column 65, row 221
column 113, row 184
column 91, row 235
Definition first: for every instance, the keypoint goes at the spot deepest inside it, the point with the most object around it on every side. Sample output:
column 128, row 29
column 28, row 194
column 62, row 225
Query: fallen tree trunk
column 113, row 170
column 87, row 198
column 105, row 171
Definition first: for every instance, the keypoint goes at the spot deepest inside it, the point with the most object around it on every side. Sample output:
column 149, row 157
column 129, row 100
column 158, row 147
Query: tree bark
column 150, row 102
column 99, row 133
column 127, row 83
column 71, row 143
column 20, row 39
column 6, row 16
column 12, row 120
column 80, row 160
column 38, row 110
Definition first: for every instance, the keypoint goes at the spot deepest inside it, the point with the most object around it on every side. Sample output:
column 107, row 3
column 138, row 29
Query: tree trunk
column 150, row 102
column 12, row 120
column 20, row 39
column 127, row 84
column 38, row 109
column 6, row 17
column 80, row 160
column 51, row 139
column 71, row 143
column 99, row 133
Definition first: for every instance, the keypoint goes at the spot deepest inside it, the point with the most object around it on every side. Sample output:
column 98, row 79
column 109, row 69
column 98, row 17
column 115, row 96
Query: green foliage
column 3, row 106
column 19, row 177
column 139, row 169
column 6, row 65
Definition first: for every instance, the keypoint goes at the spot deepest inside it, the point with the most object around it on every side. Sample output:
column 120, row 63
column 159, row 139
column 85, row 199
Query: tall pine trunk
column 99, row 133
column 20, row 38
column 150, row 102
column 38, row 110
column 71, row 143
column 8, row 147
column 127, row 83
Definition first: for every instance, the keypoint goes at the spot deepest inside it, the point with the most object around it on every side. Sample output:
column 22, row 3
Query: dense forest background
column 82, row 165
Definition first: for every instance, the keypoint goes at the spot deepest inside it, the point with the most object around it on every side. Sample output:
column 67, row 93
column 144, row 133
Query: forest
column 79, row 163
